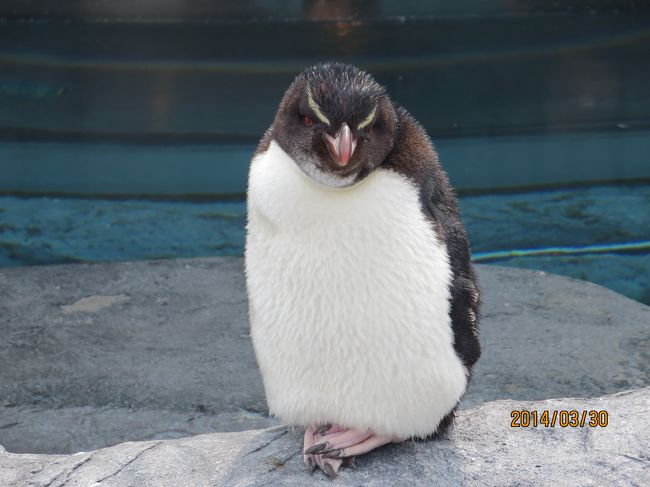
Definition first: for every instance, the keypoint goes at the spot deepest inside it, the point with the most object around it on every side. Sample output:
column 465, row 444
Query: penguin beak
column 342, row 146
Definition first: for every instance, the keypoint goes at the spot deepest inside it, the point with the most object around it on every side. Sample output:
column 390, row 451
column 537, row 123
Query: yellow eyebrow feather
column 315, row 108
column 366, row 121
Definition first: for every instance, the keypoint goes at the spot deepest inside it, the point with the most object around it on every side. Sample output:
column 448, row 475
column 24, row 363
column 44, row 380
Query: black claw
column 329, row 470
column 322, row 429
column 333, row 453
column 349, row 462
column 311, row 464
column 317, row 448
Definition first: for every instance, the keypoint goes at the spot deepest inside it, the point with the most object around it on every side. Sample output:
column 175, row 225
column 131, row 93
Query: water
column 605, row 216
column 49, row 230
column 52, row 230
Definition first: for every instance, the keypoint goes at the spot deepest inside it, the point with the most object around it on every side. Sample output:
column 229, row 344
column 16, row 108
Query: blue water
column 57, row 230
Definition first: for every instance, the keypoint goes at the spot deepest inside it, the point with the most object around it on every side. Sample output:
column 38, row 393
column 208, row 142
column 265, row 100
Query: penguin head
column 337, row 123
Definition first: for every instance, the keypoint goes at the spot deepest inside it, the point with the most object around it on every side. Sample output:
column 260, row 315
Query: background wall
column 170, row 97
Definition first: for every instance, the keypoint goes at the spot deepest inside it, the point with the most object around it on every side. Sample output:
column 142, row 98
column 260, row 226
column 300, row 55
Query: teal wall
column 123, row 98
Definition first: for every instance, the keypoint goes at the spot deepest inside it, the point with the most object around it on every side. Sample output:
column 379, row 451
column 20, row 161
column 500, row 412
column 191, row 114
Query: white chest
column 348, row 283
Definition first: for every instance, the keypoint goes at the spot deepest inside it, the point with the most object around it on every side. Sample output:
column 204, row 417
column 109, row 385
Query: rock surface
column 93, row 355
column 482, row 449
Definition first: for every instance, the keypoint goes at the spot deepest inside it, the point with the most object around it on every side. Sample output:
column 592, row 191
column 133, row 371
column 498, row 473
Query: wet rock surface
column 481, row 449
column 97, row 354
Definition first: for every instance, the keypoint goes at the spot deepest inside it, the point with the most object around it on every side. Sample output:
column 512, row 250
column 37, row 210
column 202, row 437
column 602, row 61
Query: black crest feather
column 344, row 92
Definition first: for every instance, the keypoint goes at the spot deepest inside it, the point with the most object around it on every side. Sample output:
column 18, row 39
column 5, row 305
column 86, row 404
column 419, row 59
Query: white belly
column 349, row 302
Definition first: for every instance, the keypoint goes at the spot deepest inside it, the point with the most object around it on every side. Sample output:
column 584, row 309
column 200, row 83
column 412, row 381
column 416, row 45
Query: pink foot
column 328, row 465
column 329, row 447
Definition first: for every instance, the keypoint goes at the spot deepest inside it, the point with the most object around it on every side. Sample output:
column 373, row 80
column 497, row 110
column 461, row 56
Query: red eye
column 308, row 121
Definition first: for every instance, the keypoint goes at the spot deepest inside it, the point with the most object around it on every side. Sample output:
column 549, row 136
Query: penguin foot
column 313, row 461
column 307, row 443
column 328, row 447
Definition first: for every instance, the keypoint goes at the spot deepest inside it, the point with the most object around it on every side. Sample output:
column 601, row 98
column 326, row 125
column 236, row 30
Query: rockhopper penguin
column 363, row 301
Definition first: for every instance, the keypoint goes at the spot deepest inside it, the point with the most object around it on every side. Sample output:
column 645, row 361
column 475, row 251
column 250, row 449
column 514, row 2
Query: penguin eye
column 307, row 121
column 365, row 133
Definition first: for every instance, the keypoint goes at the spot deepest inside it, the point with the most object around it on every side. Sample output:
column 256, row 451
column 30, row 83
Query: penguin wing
column 415, row 157
column 440, row 206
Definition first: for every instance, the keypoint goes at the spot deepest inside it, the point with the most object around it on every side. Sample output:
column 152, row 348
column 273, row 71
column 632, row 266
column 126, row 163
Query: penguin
column 363, row 303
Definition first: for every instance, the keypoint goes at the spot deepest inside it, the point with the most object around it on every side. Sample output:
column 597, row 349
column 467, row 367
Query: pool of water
column 599, row 234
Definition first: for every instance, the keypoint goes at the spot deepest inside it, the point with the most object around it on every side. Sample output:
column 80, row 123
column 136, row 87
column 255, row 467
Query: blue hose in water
column 578, row 250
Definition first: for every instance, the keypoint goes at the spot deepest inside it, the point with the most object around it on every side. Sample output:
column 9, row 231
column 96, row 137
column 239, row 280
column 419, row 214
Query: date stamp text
column 523, row 418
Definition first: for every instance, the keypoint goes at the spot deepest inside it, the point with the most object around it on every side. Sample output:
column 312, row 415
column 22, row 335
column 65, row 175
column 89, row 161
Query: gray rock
column 482, row 449
column 97, row 354
column 129, row 335
column 549, row 336
column 67, row 430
